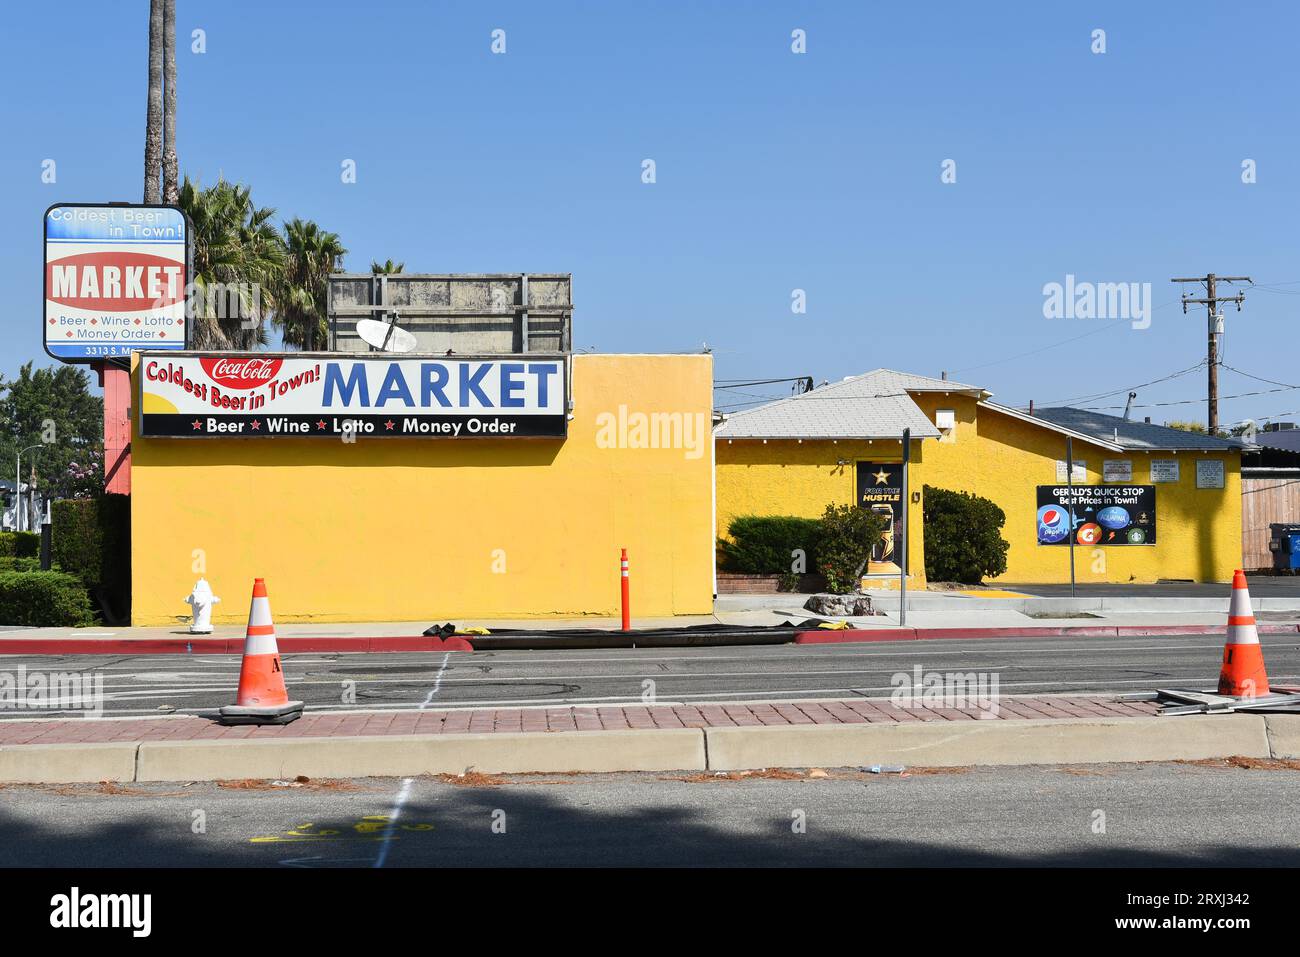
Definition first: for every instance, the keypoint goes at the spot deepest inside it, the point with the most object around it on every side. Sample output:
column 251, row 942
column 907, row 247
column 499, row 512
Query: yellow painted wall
column 1198, row 531
column 997, row 456
column 802, row 478
column 406, row 529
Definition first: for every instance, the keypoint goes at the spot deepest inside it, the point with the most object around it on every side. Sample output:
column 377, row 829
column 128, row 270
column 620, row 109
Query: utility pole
column 1211, row 301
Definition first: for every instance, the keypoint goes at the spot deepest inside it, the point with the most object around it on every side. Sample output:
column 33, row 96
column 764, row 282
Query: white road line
column 404, row 792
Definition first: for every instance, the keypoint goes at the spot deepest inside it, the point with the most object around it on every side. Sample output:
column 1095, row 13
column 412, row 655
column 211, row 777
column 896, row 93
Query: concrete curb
column 1283, row 734
column 854, row 635
column 953, row 744
column 507, row 753
column 931, row 744
column 68, row 763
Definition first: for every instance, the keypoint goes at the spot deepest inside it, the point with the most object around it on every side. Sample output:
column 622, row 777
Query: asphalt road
column 141, row 685
column 1153, row 815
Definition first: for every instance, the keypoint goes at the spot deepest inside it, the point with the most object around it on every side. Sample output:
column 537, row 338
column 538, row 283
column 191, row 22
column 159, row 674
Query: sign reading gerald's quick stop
column 114, row 280
column 276, row 396
column 1102, row 514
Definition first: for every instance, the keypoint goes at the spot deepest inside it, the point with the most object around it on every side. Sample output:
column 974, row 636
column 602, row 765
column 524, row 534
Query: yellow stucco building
column 1179, row 494
column 415, row 527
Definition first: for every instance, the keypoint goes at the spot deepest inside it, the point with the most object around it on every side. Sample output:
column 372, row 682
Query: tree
column 170, row 189
column 53, row 407
column 845, row 536
column 312, row 254
column 154, row 115
column 387, row 268
column 239, row 263
column 963, row 540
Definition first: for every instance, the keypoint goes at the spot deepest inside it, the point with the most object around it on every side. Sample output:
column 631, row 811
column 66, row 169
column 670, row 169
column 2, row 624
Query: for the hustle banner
column 260, row 395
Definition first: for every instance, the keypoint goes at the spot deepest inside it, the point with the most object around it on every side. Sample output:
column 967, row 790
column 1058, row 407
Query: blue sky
column 775, row 171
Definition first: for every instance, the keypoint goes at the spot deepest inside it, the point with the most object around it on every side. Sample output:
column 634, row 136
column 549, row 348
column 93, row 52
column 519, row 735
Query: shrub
column 763, row 544
column 846, row 536
column 962, row 537
column 10, row 564
column 43, row 599
column 91, row 538
column 20, row 544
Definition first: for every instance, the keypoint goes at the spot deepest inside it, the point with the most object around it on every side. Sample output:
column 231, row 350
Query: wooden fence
column 1264, row 501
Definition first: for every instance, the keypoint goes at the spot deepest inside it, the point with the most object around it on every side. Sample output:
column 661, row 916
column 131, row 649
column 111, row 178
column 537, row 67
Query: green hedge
column 91, row 538
column 962, row 537
column 10, row 564
column 20, row 544
column 763, row 544
column 42, row 599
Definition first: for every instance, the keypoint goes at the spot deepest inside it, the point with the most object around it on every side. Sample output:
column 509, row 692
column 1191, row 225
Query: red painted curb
column 291, row 644
column 856, row 635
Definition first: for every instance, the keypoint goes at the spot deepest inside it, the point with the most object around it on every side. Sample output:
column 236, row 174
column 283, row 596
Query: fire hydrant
column 201, row 601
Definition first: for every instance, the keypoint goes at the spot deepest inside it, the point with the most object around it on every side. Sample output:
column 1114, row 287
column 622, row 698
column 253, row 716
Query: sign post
column 902, row 561
column 1069, row 484
column 116, row 280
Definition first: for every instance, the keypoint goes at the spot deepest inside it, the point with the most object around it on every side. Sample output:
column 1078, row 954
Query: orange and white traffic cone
column 1242, row 674
column 262, row 698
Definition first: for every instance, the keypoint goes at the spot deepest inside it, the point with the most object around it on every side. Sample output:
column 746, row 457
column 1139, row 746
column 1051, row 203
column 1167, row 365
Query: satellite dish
column 385, row 336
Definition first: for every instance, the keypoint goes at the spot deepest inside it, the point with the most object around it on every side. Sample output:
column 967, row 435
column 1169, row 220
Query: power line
column 1054, row 345
column 1258, row 378
column 1152, row 405
column 1132, row 388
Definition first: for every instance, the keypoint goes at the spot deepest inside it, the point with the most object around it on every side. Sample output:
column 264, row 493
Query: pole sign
column 114, row 280
column 284, row 396
column 1102, row 515
column 880, row 489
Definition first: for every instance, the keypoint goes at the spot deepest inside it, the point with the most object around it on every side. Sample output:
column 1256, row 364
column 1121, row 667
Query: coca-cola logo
column 242, row 373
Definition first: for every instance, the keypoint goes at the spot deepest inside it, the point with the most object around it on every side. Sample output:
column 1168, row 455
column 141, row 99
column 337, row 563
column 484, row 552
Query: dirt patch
column 1243, row 763
column 109, row 788
column 471, row 779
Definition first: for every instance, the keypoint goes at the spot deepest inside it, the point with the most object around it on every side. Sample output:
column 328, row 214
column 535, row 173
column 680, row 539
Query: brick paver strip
column 559, row 720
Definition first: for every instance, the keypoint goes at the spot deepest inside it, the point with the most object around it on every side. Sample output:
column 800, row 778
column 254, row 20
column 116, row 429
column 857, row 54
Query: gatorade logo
column 115, row 281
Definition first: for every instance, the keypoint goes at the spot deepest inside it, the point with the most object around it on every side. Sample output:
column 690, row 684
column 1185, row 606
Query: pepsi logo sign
column 1053, row 524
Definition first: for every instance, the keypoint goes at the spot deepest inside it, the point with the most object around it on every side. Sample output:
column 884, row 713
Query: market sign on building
column 1123, row 515
column 115, row 280
column 277, row 396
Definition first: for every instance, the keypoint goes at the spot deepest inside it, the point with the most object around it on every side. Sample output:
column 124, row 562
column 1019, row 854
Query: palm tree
column 387, row 268
column 170, row 188
column 239, row 265
column 313, row 254
column 154, row 116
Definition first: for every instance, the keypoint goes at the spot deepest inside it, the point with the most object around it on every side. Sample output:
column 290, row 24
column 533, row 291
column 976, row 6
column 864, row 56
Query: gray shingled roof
column 1286, row 439
column 852, row 409
column 888, row 380
column 1134, row 435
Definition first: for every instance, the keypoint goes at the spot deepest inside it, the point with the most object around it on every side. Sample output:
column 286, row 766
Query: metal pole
column 1069, row 484
column 902, row 565
column 18, row 493
column 627, row 608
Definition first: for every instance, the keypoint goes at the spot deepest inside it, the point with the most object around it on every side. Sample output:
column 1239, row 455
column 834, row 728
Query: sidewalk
column 557, row 720
column 721, row 738
column 929, row 615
